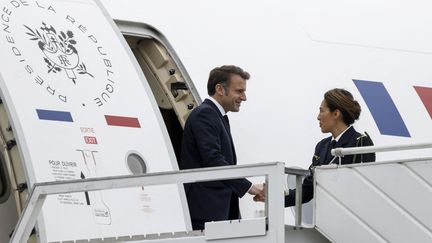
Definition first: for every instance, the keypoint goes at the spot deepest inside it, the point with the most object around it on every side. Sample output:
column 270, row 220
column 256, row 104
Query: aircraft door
column 13, row 187
column 75, row 98
column 169, row 81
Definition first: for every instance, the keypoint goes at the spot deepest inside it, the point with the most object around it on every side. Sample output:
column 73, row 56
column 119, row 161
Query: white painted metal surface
column 79, row 105
column 235, row 229
column 374, row 149
column 274, row 173
column 375, row 202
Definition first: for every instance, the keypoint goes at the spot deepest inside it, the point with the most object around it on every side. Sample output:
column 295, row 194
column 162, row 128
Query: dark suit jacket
column 322, row 156
column 207, row 142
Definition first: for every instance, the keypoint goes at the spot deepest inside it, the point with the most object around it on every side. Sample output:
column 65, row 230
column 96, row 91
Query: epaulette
column 363, row 135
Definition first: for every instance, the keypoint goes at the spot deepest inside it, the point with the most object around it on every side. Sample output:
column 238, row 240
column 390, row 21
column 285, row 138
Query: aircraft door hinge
column 22, row 187
column 10, row 144
column 175, row 87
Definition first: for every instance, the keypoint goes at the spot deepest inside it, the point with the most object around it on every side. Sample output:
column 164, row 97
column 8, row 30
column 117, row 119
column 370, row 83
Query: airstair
column 375, row 202
column 385, row 201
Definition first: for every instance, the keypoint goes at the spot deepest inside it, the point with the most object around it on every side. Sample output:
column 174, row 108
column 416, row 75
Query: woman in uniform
column 337, row 114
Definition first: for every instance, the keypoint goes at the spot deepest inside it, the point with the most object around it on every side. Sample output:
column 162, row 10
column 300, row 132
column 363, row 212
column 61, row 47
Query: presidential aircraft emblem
column 59, row 50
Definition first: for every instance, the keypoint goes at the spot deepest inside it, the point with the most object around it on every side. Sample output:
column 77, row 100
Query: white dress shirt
column 340, row 135
column 221, row 109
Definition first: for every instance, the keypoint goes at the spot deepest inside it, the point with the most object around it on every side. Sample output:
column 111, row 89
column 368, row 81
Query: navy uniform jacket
column 322, row 156
column 207, row 142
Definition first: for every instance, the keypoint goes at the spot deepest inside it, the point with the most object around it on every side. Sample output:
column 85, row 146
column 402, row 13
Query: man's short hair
column 221, row 75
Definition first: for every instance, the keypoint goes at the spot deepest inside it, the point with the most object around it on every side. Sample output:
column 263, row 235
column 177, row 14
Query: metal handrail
column 376, row 163
column 299, row 174
column 296, row 171
column 340, row 152
column 273, row 172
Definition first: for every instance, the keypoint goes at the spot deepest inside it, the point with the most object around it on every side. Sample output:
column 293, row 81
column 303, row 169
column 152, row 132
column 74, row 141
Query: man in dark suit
column 207, row 142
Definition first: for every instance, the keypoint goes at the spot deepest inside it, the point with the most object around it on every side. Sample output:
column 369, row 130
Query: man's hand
column 258, row 191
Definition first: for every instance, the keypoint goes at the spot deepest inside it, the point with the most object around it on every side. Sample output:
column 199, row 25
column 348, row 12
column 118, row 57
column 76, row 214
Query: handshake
column 258, row 190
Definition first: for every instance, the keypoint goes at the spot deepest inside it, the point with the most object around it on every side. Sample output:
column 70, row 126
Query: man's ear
column 220, row 90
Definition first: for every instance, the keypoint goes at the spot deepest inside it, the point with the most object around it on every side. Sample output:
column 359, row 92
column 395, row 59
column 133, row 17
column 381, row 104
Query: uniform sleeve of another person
column 367, row 141
column 307, row 186
column 206, row 132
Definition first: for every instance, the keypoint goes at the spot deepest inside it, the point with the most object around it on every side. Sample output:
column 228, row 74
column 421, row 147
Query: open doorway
column 168, row 84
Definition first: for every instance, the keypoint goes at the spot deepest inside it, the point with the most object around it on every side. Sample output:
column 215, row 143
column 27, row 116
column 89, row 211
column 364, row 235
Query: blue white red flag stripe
column 52, row 115
column 425, row 94
column 122, row 121
column 382, row 108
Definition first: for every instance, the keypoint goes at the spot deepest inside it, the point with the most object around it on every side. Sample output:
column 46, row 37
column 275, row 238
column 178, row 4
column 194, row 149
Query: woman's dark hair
column 343, row 100
column 221, row 75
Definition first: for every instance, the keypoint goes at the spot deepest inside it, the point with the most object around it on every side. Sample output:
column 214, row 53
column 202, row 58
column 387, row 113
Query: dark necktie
column 225, row 117
column 227, row 126
column 332, row 145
